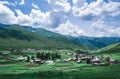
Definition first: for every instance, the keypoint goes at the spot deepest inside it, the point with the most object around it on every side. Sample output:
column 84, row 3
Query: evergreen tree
column 28, row 59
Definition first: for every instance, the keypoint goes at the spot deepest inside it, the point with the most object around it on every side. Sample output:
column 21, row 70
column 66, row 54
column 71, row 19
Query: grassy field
column 59, row 70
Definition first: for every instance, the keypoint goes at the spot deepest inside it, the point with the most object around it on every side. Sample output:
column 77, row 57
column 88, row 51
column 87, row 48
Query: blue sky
column 94, row 18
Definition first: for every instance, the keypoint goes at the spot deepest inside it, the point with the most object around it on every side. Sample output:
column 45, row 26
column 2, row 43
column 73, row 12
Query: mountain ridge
column 30, row 33
column 95, row 43
column 15, row 33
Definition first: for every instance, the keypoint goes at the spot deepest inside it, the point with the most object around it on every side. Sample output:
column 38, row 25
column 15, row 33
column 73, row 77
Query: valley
column 13, row 65
column 29, row 53
column 59, row 39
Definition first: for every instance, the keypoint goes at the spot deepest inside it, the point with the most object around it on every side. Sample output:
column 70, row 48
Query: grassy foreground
column 60, row 70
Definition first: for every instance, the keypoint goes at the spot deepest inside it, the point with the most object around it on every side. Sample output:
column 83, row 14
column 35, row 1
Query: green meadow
column 59, row 70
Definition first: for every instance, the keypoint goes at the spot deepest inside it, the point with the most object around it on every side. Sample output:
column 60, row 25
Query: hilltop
column 15, row 36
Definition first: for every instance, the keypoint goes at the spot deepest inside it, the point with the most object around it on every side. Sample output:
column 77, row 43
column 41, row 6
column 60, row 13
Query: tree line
column 45, row 56
column 48, row 56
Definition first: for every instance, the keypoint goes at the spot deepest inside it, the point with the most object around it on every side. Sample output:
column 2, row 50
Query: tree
column 28, row 59
column 32, row 57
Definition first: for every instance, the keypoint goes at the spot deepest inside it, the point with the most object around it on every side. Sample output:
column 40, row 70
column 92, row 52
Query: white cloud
column 63, row 6
column 68, row 18
column 69, row 29
column 46, row 20
column 24, row 19
column 8, row 3
column 50, row 20
column 78, row 2
column 22, row 2
column 97, row 8
column 60, row 5
column 6, row 15
column 35, row 5
column 103, row 29
column 112, row 8
column 37, row 15
column 5, row 2
column 75, row 1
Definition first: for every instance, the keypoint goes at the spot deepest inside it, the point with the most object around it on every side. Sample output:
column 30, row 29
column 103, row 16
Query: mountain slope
column 90, row 43
column 42, row 32
column 39, row 37
column 95, row 43
column 15, row 36
column 114, row 48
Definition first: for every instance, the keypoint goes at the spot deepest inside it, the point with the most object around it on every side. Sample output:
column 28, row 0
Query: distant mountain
column 40, row 36
column 114, row 48
column 4, row 25
column 95, row 43
column 42, row 32
column 90, row 43
column 15, row 36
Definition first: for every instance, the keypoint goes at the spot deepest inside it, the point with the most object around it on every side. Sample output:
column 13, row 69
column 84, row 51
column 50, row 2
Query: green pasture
column 59, row 70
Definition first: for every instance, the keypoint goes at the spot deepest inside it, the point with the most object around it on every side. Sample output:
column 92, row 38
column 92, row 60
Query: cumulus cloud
column 75, row 1
column 103, row 29
column 78, row 2
column 68, row 18
column 37, row 15
column 60, row 5
column 69, row 29
column 24, row 19
column 96, row 8
column 6, row 15
column 113, row 8
column 22, row 2
column 46, row 20
column 51, row 20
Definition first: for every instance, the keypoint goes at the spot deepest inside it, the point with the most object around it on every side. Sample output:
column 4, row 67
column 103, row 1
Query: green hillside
column 114, row 48
column 89, row 43
column 42, row 32
column 15, row 36
column 95, row 43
